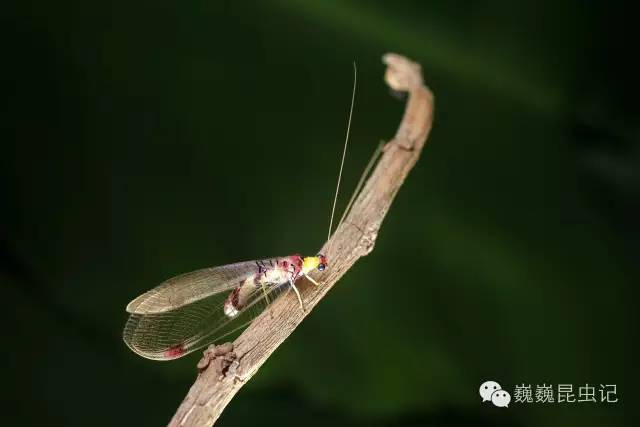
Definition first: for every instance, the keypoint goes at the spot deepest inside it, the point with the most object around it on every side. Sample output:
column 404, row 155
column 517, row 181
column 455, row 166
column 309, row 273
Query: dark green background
column 145, row 139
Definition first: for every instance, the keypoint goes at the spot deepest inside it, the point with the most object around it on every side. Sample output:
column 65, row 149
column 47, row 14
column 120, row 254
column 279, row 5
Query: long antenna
column 344, row 151
column 365, row 174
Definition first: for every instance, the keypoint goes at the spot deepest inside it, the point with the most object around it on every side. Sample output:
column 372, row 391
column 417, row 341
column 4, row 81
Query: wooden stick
column 225, row 369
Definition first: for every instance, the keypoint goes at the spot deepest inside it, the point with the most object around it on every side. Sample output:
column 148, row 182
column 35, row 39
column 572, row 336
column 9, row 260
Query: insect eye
column 321, row 267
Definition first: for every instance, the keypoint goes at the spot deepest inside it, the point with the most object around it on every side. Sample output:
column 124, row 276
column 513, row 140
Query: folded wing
column 186, row 313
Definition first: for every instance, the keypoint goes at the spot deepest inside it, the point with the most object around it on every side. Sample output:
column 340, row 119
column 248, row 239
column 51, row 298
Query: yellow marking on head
column 310, row 263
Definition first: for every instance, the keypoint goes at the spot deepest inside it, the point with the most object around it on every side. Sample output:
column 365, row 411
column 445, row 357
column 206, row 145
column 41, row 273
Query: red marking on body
column 284, row 264
column 296, row 262
column 234, row 298
column 175, row 351
column 323, row 259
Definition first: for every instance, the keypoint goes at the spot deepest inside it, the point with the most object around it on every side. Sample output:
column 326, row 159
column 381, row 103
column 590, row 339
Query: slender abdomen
column 269, row 273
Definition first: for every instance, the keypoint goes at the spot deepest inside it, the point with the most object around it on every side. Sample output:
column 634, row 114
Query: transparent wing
column 171, row 334
column 191, row 287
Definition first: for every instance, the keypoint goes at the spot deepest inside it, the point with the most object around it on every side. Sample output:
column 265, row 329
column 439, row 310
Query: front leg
column 293, row 286
column 311, row 280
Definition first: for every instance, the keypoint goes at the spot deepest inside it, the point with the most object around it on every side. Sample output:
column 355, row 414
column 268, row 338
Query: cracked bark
column 225, row 369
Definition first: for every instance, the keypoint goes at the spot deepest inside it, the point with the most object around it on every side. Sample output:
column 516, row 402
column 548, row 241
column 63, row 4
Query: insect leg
column 298, row 295
column 266, row 297
column 311, row 280
column 264, row 291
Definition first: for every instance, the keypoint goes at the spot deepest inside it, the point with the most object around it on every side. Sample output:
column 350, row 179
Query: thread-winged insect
column 196, row 309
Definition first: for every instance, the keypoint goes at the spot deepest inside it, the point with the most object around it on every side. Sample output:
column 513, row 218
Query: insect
column 193, row 310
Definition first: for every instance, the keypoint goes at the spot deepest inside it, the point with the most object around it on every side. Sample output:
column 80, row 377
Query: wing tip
column 164, row 355
column 131, row 309
column 147, row 303
column 137, row 307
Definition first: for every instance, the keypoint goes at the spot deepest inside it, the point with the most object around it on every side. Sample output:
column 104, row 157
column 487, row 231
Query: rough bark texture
column 224, row 370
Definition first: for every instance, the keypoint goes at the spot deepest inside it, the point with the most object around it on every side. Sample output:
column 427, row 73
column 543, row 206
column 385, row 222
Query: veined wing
column 191, row 287
column 171, row 334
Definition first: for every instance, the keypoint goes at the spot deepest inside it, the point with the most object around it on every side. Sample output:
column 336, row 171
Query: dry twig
column 226, row 369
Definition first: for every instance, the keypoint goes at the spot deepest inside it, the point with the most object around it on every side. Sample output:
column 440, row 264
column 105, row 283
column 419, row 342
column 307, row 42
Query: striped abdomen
column 269, row 273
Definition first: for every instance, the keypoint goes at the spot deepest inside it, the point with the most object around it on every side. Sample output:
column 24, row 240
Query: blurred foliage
column 144, row 139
